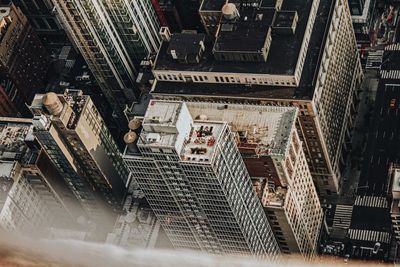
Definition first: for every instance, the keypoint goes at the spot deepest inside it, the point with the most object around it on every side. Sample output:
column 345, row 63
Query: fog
column 18, row 251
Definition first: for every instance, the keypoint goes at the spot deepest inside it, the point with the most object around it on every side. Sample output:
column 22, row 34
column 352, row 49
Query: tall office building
column 362, row 17
column 23, row 60
column 286, row 53
column 195, row 181
column 113, row 37
column 21, row 208
column 267, row 139
column 75, row 138
column 180, row 14
column 40, row 14
column 32, row 198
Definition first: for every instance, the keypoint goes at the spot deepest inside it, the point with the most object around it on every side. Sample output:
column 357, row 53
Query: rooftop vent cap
column 230, row 12
column 130, row 137
column 52, row 103
column 134, row 124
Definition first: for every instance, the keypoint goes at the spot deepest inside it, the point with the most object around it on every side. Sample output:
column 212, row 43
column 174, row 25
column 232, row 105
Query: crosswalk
column 369, row 235
column 342, row 218
column 371, row 201
column 390, row 74
column 374, row 59
column 393, row 47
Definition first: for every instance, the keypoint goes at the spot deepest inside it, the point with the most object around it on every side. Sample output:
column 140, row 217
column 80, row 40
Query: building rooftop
column 396, row 180
column 271, row 197
column 169, row 124
column 264, row 129
column 200, row 145
column 212, row 5
column 248, row 32
column 76, row 100
column 160, row 125
column 12, row 138
column 138, row 228
column 73, row 98
column 277, row 50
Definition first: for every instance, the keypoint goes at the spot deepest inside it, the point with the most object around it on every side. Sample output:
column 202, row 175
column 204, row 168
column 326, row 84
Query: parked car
column 392, row 104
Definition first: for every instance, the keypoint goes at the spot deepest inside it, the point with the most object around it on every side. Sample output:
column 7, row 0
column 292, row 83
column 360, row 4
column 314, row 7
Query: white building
column 272, row 151
column 196, row 182
column 113, row 37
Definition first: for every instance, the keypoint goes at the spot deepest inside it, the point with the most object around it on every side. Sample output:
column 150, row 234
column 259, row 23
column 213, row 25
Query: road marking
column 376, row 135
column 391, row 137
column 381, row 111
column 384, row 134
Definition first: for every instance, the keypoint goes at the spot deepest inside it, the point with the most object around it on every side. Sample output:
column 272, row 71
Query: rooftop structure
column 12, row 140
column 138, row 228
column 200, row 145
column 264, row 129
column 254, row 31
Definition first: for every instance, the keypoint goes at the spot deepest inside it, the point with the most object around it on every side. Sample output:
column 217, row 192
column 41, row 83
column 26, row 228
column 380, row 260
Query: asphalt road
column 383, row 145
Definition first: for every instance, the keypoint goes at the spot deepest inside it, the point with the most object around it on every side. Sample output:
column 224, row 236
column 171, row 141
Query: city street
column 365, row 109
column 383, row 142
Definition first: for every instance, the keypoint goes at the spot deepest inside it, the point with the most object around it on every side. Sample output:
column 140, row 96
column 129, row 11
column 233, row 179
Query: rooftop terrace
column 266, row 129
column 12, row 140
column 200, row 145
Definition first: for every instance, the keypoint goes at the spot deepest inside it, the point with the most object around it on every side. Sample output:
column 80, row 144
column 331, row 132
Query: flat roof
column 212, row 5
column 201, row 143
column 305, row 89
column 162, row 113
column 266, row 128
column 159, row 124
column 249, row 32
column 282, row 46
column 12, row 139
column 396, row 180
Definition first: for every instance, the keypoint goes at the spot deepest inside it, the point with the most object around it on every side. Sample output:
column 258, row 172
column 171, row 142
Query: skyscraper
column 23, row 60
column 286, row 53
column 179, row 14
column 32, row 197
column 267, row 139
column 195, row 181
column 42, row 18
column 75, row 138
column 113, row 37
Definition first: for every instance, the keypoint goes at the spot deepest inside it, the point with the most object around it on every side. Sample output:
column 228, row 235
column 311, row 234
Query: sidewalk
column 353, row 166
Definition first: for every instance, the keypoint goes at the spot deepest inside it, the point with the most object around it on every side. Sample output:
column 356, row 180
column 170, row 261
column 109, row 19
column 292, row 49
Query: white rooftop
column 267, row 127
column 396, row 180
column 169, row 124
column 7, row 168
column 201, row 143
